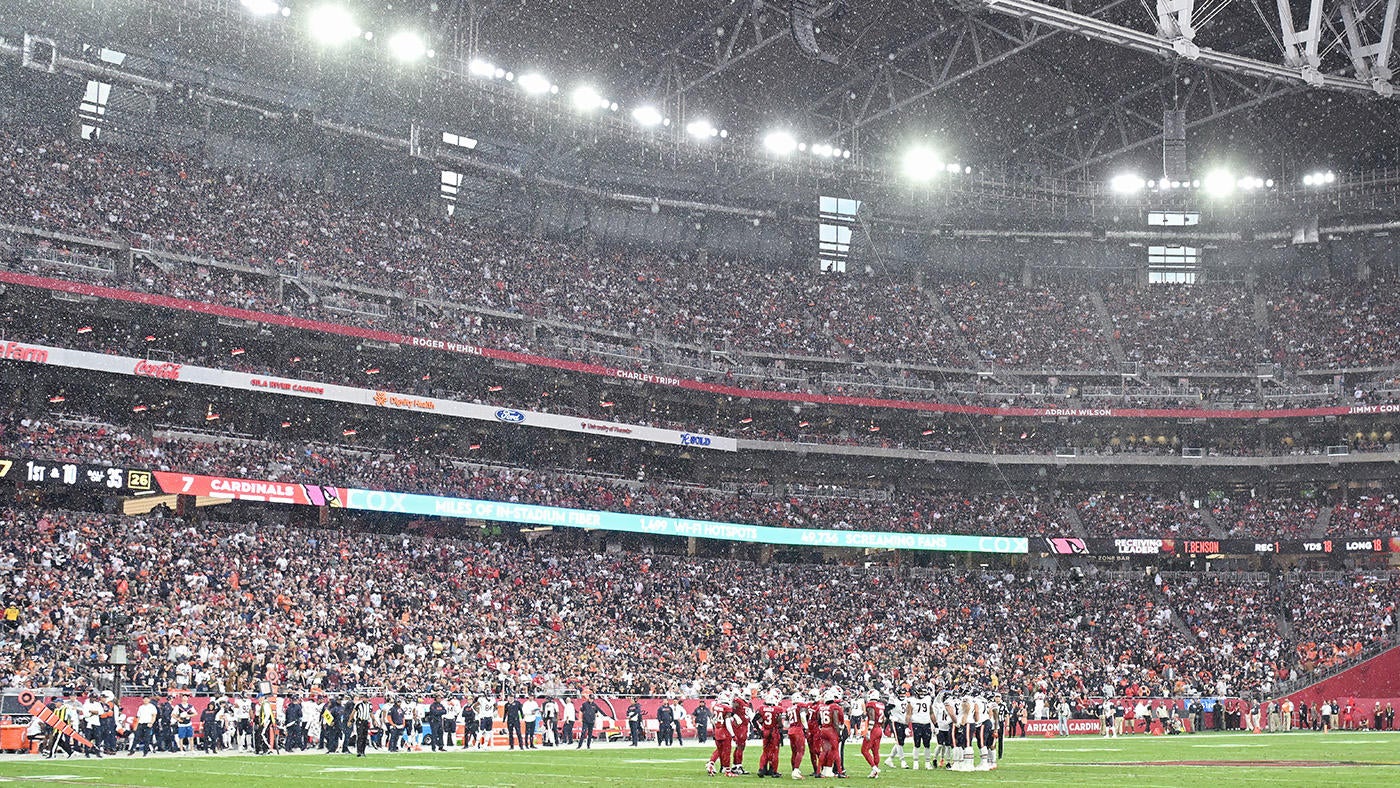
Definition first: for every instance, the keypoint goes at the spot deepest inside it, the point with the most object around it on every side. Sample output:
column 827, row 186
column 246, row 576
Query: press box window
column 1173, row 265
column 1172, row 219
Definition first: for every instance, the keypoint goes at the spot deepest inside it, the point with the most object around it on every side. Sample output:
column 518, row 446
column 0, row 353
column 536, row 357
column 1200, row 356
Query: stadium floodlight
column 953, row 168
column 1319, row 179
column 332, row 24
column 780, row 142
column 701, row 129
column 921, row 164
column 1219, row 183
column 483, row 68
column 534, row 83
column 1127, row 183
column 586, row 99
column 407, row 46
column 261, row 7
column 647, row 115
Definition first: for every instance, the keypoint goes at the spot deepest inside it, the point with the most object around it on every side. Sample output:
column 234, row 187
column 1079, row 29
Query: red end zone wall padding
column 1376, row 679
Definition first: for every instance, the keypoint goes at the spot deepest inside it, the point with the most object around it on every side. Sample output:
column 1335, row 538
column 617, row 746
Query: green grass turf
column 1365, row 759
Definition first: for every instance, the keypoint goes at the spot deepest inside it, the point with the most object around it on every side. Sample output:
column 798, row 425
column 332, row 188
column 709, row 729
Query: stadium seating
column 168, row 201
column 219, row 607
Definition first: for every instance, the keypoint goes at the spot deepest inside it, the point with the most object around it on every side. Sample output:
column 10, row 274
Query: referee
column 361, row 717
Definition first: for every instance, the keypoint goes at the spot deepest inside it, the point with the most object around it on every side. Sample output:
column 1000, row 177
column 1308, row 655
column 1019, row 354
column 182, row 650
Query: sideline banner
column 1076, row 727
column 306, row 324
column 530, row 514
column 332, row 392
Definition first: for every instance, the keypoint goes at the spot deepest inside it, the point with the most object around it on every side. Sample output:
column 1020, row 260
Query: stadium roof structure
column 1048, row 93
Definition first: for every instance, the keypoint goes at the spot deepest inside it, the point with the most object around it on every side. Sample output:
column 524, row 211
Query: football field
column 1304, row 759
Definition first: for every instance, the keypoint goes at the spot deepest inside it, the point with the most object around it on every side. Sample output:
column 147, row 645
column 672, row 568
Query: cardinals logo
column 323, row 495
column 1067, row 546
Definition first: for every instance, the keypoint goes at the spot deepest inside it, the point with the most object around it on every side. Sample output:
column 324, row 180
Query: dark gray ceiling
column 981, row 86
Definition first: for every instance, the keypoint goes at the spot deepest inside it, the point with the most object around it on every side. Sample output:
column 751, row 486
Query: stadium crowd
column 426, row 469
column 220, row 608
column 166, row 200
column 1185, row 328
column 428, row 472
column 1286, row 518
column 1374, row 513
column 476, row 382
column 1132, row 514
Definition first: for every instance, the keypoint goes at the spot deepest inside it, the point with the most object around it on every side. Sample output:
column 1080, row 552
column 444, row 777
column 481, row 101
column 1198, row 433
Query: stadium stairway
column 1177, row 621
column 1216, row 529
column 1324, row 519
column 1261, row 313
column 1101, row 309
column 1281, row 615
column 1071, row 518
column 943, row 314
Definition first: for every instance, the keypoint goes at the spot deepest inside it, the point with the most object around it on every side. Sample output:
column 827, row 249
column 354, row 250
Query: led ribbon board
column 529, row 514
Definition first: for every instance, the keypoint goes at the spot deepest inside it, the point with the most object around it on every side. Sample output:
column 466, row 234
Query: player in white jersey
column 963, row 720
column 983, row 723
column 947, row 709
column 1106, row 712
column 242, row 718
column 920, row 714
column 897, row 710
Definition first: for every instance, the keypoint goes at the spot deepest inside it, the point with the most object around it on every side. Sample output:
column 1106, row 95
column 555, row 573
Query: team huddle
column 960, row 733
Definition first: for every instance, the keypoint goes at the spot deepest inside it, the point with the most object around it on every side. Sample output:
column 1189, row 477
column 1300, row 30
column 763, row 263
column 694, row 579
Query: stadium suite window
column 839, row 208
column 837, row 215
column 93, row 108
column 451, row 185
column 834, row 247
column 459, row 140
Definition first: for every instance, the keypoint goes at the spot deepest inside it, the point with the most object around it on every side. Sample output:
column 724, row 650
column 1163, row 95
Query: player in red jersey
column 770, row 724
column 830, row 720
column 742, row 712
column 723, row 730
column 814, row 736
column 796, row 717
column 870, row 736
